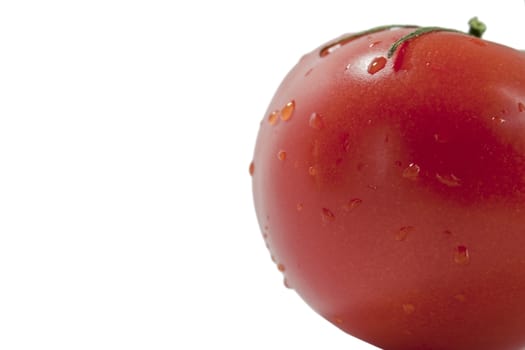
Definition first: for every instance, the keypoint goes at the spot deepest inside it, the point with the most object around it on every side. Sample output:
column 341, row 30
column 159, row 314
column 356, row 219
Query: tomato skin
column 392, row 196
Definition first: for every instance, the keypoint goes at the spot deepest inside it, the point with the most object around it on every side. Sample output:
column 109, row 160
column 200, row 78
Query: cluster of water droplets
column 460, row 254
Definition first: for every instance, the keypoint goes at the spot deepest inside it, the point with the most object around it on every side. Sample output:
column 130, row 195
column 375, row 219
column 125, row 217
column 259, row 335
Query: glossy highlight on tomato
column 390, row 188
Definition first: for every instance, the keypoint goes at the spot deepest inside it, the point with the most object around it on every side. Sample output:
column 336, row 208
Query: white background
column 126, row 131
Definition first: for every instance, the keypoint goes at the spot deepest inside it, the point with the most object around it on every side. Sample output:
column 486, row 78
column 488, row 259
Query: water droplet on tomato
column 374, row 43
column 316, row 121
column 281, row 267
column 338, row 320
column 287, row 111
column 460, row 297
column 346, row 143
column 409, row 308
column 412, row 172
column 281, row 155
column 403, row 232
column 521, row 107
column 300, row 206
column 286, row 283
column 336, row 44
column 439, row 138
column 273, row 117
column 352, row 204
column 449, row 180
column 312, row 171
column 498, row 119
column 376, row 65
column 329, row 49
column 478, row 42
column 327, row 215
column 461, row 255
column 252, row 168
column 372, row 187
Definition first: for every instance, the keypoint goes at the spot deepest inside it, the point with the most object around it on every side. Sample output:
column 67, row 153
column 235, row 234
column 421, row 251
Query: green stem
column 415, row 34
column 476, row 29
column 346, row 38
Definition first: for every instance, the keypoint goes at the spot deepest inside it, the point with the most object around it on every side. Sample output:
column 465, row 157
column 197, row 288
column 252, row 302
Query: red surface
column 393, row 200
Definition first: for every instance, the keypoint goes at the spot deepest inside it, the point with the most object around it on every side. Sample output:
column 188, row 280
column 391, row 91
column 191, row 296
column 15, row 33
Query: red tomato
column 391, row 190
